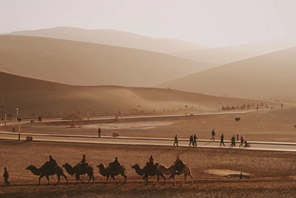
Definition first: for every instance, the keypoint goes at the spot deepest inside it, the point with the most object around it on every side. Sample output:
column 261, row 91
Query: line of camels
column 157, row 170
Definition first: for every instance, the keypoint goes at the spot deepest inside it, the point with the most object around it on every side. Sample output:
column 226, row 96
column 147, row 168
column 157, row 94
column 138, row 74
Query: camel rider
column 52, row 163
column 82, row 164
column 151, row 163
column 115, row 164
column 83, row 160
column 179, row 165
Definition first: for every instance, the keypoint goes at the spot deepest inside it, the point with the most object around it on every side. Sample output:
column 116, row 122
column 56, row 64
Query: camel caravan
column 113, row 169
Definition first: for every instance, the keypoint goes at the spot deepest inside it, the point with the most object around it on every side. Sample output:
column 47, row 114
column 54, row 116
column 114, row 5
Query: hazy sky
column 209, row 22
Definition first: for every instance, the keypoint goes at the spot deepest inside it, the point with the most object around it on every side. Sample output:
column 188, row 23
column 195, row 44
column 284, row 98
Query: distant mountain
column 80, row 63
column 114, row 38
column 35, row 97
column 231, row 54
column 264, row 76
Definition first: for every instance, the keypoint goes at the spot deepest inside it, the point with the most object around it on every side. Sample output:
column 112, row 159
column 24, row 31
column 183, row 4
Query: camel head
column 100, row 166
column 31, row 167
column 135, row 166
column 65, row 165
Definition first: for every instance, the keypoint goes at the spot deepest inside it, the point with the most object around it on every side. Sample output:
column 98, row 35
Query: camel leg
column 185, row 176
column 40, row 178
column 113, row 177
column 89, row 178
column 191, row 179
column 107, row 179
column 164, row 179
column 58, row 179
column 77, row 178
column 146, row 179
column 65, row 177
column 47, row 179
column 93, row 179
column 156, row 180
column 123, row 175
column 174, row 179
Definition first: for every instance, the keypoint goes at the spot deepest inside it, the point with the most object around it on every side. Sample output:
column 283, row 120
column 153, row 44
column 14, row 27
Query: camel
column 148, row 172
column 108, row 172
column 172, row 172
column 76, row 170
column 46, row 171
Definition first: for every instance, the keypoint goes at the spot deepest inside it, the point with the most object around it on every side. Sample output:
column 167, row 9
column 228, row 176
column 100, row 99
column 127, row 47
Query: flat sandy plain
column 215, row 170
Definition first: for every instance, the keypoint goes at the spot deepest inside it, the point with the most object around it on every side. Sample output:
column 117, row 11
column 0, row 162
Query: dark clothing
column 151, row 162
column 52, row 162
column 176, row 141
column 114, row 165
column 194, row 140
column 222, row 140
column 232, row 141
column 83, row 160
column 242, row 141
column 191, row 140
column 6, row 176
column 179, row 165
column 213, row 135
column 99, row 132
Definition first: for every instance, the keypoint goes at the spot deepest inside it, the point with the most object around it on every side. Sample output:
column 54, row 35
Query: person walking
column 99, row 132
column 232, row 141
column 242, row 140
column 6, row 176
column 194, row 140
column 222, row 140
column 191, row 140
column 176, row 141
column 213, row 135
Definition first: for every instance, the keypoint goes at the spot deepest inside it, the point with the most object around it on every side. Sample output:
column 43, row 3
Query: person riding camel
column 150, row 164
column 52, row 163
column 151, row 161
column 114, row 165
column 82, row 164
column 179, row 165
column 83, row 159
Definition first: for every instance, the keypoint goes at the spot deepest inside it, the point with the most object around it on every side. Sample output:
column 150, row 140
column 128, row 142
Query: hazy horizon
column 211, row 23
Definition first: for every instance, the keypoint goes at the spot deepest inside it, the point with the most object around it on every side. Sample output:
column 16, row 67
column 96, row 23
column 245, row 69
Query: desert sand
column 226, row 55
column 216, row 171
column 265, row 76
column 114, row 38
column 51, row 99
column 66, row 61
column 67, row 64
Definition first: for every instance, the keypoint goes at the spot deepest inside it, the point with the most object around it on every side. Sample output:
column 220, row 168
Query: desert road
column 255, row 145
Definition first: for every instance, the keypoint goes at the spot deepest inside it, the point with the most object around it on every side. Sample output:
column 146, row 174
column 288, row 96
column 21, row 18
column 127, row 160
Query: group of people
column 243, row 142
column 193, row 140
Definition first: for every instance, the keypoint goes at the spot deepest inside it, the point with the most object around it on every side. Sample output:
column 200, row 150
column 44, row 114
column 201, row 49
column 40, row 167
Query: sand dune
column 231, row 54
column 264, row 76
column 35, row 97
column 114, row 38
column 79, row 63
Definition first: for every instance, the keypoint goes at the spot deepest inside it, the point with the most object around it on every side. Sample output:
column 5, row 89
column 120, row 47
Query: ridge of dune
column 226, row 55
column 114, row 38
column 35, row 97
column 80, row 63
column 270, row 75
